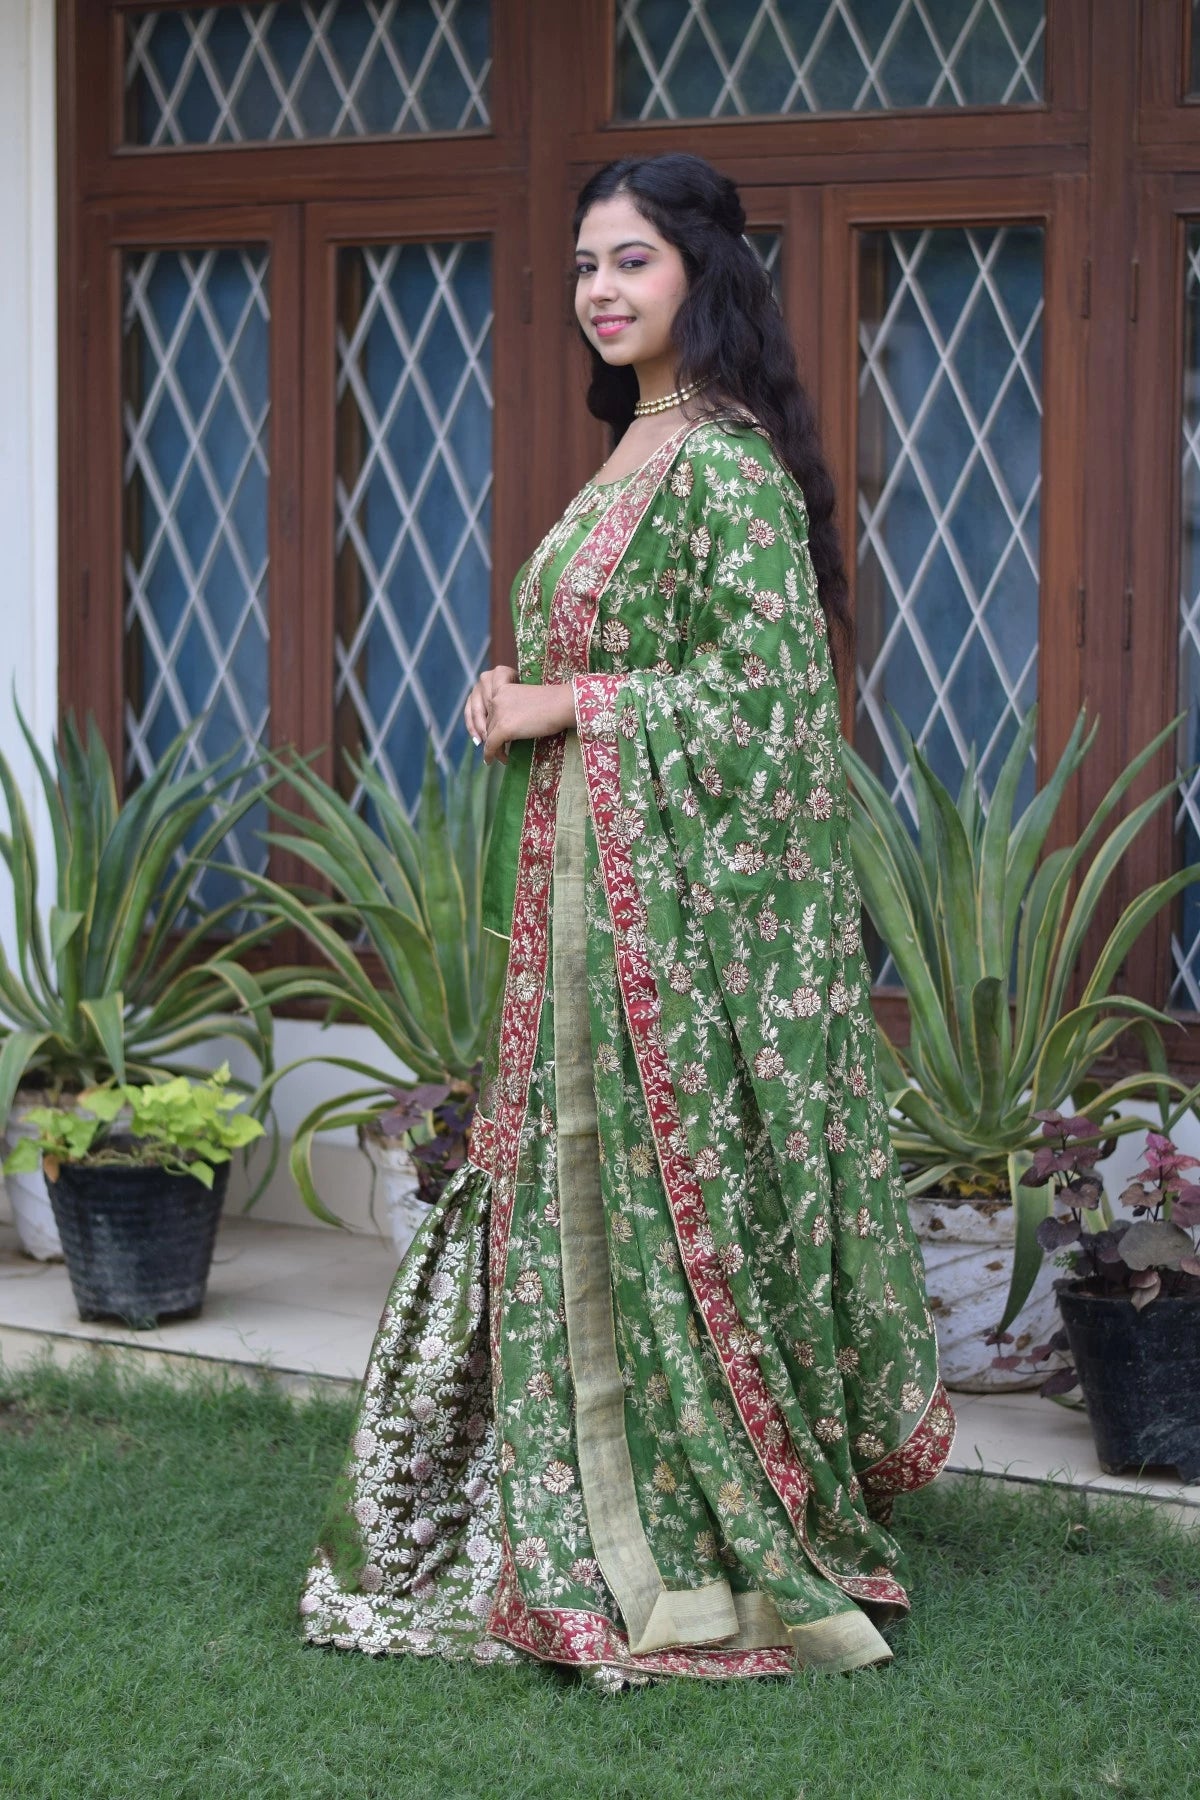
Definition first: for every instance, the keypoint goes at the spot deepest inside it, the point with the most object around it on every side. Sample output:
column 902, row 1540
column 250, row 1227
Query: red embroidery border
column 766, row 1427
column 564, row 1635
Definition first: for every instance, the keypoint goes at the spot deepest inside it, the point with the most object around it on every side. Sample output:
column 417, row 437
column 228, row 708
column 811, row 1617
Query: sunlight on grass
column 152, row 1542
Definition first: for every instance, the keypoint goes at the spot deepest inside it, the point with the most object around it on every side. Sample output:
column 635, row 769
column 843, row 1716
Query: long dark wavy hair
column 730, row 337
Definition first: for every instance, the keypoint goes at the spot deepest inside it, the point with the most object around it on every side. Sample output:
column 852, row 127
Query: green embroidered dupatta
column 709, row 1361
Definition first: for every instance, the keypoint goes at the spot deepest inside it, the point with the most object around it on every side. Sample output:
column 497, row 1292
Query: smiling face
column 629, row 286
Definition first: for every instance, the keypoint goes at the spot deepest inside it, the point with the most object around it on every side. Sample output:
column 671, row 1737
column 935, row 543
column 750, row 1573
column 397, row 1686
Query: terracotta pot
column 968, row 1251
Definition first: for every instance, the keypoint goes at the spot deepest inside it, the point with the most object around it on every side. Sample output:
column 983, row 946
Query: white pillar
column 29, row 390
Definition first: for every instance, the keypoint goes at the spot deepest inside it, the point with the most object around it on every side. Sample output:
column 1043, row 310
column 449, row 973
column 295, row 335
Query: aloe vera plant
column 986, row 934
column 416, row 892
column 124, row 975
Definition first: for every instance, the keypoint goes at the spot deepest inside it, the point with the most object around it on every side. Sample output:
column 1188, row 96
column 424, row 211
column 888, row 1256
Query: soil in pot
column 138, row 1241
column 1140, row 1375
column 967, row 1246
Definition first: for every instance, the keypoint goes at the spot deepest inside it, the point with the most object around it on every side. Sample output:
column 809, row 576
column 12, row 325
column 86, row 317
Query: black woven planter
column 1140, row 1375
column 138, row 1242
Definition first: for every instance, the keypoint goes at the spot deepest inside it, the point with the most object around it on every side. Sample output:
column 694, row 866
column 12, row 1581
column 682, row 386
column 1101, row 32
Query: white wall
column 28, row 388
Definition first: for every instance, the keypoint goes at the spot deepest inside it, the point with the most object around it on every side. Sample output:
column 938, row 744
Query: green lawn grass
column 152, row 1541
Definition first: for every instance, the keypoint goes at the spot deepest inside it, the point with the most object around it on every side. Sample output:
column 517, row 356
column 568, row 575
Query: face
column 629, row 285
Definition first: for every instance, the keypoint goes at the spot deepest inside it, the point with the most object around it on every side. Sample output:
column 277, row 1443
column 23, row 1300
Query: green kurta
column 709, row 1361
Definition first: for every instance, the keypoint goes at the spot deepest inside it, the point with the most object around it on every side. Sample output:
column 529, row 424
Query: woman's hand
column 475, row 713
column 501, row 708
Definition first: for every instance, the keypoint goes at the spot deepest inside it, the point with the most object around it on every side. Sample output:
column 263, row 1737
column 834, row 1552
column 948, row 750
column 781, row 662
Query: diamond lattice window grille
column 949, row 479
column 1185, row 939
column 692, row 59
column 307, row 69
column 196, row 404
column 413, row 500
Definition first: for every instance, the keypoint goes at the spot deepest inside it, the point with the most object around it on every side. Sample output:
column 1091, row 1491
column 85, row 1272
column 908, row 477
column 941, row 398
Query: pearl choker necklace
column 645, row 408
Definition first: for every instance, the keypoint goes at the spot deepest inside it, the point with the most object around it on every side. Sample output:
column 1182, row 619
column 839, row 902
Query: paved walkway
column 300, row 1305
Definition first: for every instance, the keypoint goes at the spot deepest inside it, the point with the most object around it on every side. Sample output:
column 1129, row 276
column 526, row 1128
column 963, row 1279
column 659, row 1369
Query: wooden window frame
column 1166, row 207
column 1168, row 116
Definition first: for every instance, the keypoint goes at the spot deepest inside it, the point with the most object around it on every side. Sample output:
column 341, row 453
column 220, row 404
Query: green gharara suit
column 655, row 1367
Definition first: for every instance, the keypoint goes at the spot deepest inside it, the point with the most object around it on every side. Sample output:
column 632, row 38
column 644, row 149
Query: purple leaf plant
column 1154, row 1253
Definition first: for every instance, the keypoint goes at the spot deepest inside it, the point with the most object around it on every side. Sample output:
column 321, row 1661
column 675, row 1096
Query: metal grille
column 414, row 480
column 769, row 245
column 697, row 59
column 307, row 69
column 1185, row 940
column 949, row 478
column 196, row 358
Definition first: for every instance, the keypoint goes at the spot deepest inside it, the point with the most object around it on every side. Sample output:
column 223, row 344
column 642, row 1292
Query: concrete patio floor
column 299, row 1306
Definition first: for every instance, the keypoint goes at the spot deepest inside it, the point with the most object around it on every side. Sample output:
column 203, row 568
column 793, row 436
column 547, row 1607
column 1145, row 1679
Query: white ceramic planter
column 32, row 1212
column 968, row 1251
column 394, row 1190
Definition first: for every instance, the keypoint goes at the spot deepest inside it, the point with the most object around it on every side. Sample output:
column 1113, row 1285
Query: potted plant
column 124, row 972
column 137, row 1178
column 412, row 897
column 986, row 933
column 1131, row 1305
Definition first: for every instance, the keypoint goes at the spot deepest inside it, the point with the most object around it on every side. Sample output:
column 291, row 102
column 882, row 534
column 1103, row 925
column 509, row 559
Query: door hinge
column 1135, row 270
column 1085, row 295
column 1080, row 615
column 1127, row 620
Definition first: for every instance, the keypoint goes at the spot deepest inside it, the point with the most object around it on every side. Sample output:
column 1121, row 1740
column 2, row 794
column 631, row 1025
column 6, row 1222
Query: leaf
column 107, row 1015
column 63, row 927
column 1154, row 1244
column 1052, row 1234
column 24, row 1157
column 16, row 1058
column 1031, row 1206
column 103, row 1103
column 1145, row 1286
column 996, row 927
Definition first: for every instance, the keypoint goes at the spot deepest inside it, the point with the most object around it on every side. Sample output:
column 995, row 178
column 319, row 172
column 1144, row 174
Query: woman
column 650, row 1376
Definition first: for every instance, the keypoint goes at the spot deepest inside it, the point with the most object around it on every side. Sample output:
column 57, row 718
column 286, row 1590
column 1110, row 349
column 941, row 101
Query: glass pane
column 1185, row 943
column 1194, row 79
column 307, row 69
column 949, row 477
column 414, row 482
column 701, row 59
column 769, row 244
column 196, row 402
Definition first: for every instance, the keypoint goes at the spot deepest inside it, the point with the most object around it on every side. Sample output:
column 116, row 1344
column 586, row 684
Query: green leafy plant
column 186, row 1127
column 986, row 934
column 124, row 975
column 414, row 893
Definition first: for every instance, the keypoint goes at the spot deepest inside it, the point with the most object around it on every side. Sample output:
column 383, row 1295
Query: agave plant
column 415, row 894
column 125, row 974
column 986, row 935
